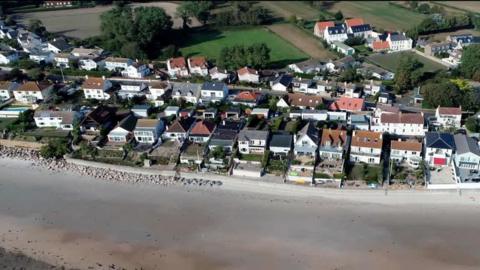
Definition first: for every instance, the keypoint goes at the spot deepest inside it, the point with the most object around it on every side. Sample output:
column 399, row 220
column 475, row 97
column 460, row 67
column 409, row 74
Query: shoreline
column 143, row 176
column 79, row 222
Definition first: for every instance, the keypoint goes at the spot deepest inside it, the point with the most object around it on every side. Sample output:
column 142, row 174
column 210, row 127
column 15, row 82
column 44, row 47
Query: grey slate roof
column 184, row 88
column 397, row 37
column 361, row 28
column 247, row 135
column 465, row 144
column 439, row 140
column 310, row 130
column 284, row 79
column 337, row 29
column 213, row 86
column 281, row 140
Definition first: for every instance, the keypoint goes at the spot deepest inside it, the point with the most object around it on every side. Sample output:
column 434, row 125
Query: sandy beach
column 79, row 222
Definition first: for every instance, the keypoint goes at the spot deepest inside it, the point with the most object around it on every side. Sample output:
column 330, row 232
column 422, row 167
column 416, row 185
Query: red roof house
column 354, row 22
column 348, row 104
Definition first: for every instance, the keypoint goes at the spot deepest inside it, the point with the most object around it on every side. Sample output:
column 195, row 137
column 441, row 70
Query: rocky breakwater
column 60, row 165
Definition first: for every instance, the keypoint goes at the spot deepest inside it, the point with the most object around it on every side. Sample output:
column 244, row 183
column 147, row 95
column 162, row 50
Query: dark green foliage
column 354, row 41
column 445, row 94
column 54, row 149
column 470, row 65
column 24, row 122
column 407, row 74
column 256, row 56
column 135, row 32
column 472, row 124
column 243, row 13
column 198, row 9
column 349, row 75
column 338, row 16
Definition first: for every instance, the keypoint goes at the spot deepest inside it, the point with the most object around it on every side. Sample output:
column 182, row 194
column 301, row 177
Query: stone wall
column 21, row 144
column 119, row 168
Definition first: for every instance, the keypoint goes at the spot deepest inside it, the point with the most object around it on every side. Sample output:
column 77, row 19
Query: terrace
column 329, row 168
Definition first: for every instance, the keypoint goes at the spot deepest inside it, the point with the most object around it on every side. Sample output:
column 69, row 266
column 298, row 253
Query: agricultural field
column 468, row 6
column 210, row 43
column 389, row 61
column 380, row 14
column 302, row 40
column 285, row 9
column 85, row 22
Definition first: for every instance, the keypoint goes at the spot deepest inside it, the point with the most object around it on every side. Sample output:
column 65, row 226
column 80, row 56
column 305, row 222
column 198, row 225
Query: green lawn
column 380, row 14
column 389, row 61
column 369, row 173
column 4, row 122
column 210, row 43
column 47, row 132
column 251, row 157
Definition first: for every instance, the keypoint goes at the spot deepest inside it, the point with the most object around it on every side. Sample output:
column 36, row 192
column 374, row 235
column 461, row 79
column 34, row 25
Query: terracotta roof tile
column 347, row 104
column 450, row 110
column 323, row 25
column 33, row 86
column 334, row 137
column 178, row 62
column 405, row 118
column 380, row 45
column 364, row 138
column 203, row 128
column 302, row 100
column 247, row 96
column 198, row 61
column 354, row 22
column 93, row 83
column 407, row 145
column 246, row 70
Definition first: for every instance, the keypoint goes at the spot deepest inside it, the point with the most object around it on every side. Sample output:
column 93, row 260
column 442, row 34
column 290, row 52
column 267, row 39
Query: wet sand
column 79, row 222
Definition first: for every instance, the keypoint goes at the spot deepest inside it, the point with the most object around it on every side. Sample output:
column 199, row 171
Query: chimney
column 103, row 77
column 223, row 122
column 86, row 77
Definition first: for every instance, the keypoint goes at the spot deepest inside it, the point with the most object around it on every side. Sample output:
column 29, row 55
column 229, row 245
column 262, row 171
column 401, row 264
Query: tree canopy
column 135, row 32
column 445, row 94
column 243, row 13
column 198, row 9
column 470, row 62
column 407, row 74
column 257, row 56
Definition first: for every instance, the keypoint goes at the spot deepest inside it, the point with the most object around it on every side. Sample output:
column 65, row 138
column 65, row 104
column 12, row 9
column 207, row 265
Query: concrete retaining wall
column 119, row 168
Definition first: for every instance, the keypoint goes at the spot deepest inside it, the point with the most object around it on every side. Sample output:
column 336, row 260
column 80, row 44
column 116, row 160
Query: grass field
column 285, row 9
column 210, row 43
column 467, row 6
column 389, row 61
column 379, row 14
column 4, row 122
column 85, row 22
column 302, row 40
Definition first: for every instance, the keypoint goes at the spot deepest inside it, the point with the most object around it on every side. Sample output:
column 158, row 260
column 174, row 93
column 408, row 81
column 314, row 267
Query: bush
column 54, row 149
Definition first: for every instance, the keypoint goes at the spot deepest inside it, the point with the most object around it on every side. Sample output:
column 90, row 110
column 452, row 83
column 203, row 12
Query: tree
column 56, row 148
column 405, row 78
column 257, row 55
column 218, row 152
column 470, row 62
column 150, row 23
column 36, row 74
column 36, row 26
column 445, row 94
column 143, row 30
column 472, row 124
column 183, row 12
column 349, row 75
column 354, row 41
column 338, row 15
column 424, row 8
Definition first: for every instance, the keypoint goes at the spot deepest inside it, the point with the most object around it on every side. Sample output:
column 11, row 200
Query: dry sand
column 78, row 222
